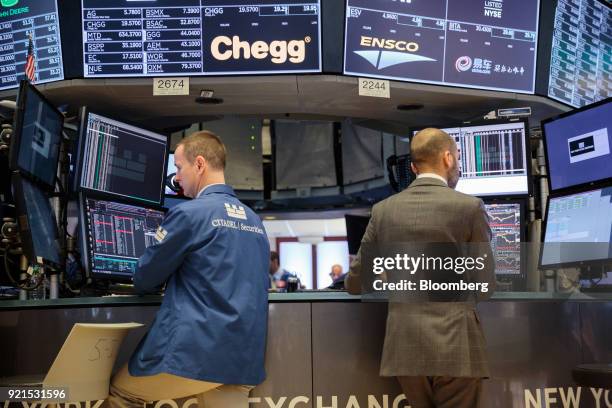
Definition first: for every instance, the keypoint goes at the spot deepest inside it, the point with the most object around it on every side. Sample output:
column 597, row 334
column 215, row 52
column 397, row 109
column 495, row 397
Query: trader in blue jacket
column 209, row 336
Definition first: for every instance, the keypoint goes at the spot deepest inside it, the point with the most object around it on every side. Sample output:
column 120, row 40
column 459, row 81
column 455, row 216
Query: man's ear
column 448, row 158
column 201, row 164
column 414, row 169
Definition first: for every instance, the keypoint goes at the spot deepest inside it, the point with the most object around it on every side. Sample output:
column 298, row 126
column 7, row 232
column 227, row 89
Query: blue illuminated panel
column 580, row 63
column 470, row 43
column 38, row 19
column 197, row 37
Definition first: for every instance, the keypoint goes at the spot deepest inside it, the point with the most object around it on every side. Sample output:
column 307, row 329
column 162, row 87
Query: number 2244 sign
column 374, row 87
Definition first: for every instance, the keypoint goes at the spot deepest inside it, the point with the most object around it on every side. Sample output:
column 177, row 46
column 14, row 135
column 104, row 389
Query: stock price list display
column 486, row 44
column 186, row 37
column 30, row 18
column 581, row 56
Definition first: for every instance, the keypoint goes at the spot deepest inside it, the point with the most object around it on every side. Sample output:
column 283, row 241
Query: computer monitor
column 114, row 235
column 121, row 159
column 37, row 224
column 578, row 146
column 37, row 136
column 506, row 223
column 355, row 228
column 578, row 229
column 494, row 158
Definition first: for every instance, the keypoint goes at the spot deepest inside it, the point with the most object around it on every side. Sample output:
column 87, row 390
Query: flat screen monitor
column 578, row 229
column 37, row 224
column 580, row 64
column 37, row 136
column 19, row 20
column 578, row 146
column 494, row 158
column 505, row 221
column 186, row 38
column 469, row 43
column 122, row 159
column 115, row 235
column 355, row 229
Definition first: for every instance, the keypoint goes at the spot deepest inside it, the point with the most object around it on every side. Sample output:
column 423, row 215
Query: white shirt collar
column 205, row 187
column 433, row 175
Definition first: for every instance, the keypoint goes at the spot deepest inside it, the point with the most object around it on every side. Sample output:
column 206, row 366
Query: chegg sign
column 224, row 48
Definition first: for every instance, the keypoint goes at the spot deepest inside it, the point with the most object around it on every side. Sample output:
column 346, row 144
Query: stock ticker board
column 581, row 56
column 187, row 37
column 485, row 44
column 18, row 21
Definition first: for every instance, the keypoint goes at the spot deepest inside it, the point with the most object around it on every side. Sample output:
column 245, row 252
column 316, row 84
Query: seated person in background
column 278, row 275
column 337, row 277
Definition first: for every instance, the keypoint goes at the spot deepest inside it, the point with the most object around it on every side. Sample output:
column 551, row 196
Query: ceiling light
column 207, row 96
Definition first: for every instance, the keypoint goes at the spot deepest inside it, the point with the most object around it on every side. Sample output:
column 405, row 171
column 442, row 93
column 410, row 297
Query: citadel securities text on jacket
column 214, row 254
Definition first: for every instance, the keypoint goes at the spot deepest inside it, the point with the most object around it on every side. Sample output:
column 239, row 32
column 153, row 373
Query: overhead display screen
column 200, row 37
column 487, row 44
column 580, row 62
column 18, row 21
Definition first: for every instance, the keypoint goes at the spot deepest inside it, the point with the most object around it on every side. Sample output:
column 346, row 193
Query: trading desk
column 324, row 349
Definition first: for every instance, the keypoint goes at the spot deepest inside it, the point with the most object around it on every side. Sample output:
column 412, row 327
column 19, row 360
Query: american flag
column 30, row 69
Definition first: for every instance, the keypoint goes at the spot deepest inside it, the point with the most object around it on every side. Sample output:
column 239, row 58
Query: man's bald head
column 428, row 146
column 434, row 151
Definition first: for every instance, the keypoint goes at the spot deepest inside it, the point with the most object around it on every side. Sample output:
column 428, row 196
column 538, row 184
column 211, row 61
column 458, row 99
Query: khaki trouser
column 441, row 392
column 127, row 391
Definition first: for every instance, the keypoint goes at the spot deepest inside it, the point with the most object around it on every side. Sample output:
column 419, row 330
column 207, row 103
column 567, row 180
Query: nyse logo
column 224, row 48
column 235, row 211
column 390, row 52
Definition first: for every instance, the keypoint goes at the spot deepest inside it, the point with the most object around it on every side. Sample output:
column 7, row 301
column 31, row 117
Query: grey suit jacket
column 430, row 338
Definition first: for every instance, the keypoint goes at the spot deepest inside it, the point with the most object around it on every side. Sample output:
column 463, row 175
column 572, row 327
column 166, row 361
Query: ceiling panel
column 324, row 97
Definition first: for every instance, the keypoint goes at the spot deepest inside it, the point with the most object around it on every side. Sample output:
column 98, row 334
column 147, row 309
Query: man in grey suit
column 435, row 349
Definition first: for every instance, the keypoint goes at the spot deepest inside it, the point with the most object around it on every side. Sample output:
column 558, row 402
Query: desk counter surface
column 534, row 340
column 306, row 296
